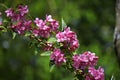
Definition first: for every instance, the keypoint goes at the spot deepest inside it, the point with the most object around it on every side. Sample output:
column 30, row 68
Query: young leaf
column 51, row 40
column 14, row 35
column 27, row 34
column 63, row 24
column 46, row 53
column 51, row 68
column 4, row 21
column 112, row 78
column 3, row 29
column 36, row 52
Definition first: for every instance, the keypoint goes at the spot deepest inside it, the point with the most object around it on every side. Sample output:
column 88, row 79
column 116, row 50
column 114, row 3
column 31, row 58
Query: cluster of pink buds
column 88, row 60
column 45, row 27
column 68, row 38
column 19, row 22
column 94, row 74
column 58, row 56
column 84, row 60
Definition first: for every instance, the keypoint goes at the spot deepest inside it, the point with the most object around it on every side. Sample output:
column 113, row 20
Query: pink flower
column 49, row 18
column 22, row 27
column 91, row 57
column 61, row 37
column 45, row 27
column 58, row 57
column 9, row 12
column 69, row 37
column 88, row 78
column 74, row 44
column 76, row 61
column 42, row 30
column 96, row 74
column 84, row 60
column 70, row 34
column 19, row 22
column 36, row 32
column 39, row 22
column 52, row 23
column 18, row 14
column 23, row 9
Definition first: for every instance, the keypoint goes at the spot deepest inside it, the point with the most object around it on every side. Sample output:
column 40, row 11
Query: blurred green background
column 92, row 20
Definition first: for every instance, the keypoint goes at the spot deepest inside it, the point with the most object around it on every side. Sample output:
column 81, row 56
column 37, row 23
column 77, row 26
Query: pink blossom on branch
column 39, row 22
column 95, row 74
column 58, row 57
column 21, row 27
column 84, row 60
column 54, row 25
column 23, row 9
column 42, row 29
column 19, row 22
column 9, row 12
column 45, row 27
column 17, row 15
column 69, row 39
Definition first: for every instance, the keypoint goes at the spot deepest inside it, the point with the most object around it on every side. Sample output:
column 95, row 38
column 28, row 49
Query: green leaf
column 112, row 78
column 27, row 34
column 5, row 21
column 46, row 53
column 14, row 35
column 3, row 29
column 36, row 52
column 63, row 24
column 51, row 68
column 52, row 40
column 74, row 52
column 1, row 26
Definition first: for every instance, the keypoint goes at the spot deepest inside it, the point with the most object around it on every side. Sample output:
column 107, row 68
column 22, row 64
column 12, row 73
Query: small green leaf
column 14, row 35
column 51, row 68
column 5, row 21
column 27, row 34
column 46, row 53
column 63, row 24
column 51, row 40
column 36, row 52
column 3, row 29
column 74, row 53
column 112, row 78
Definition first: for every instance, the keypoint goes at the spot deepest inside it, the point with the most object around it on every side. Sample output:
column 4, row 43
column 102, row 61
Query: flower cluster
column 46, row 27
column 19, row 22
column 18, row 14
column 84, row 60
column 88, row 60
column 69, row 38
column 58, row 57
column 95, row 74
